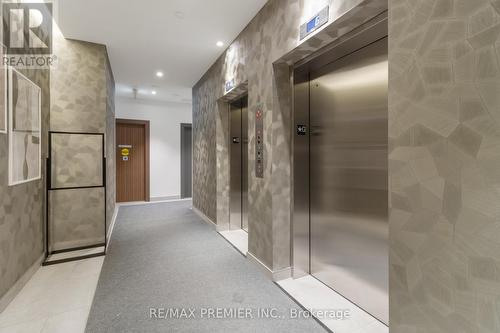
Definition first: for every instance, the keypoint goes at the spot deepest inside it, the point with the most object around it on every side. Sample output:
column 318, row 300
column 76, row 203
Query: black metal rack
column 49, row 188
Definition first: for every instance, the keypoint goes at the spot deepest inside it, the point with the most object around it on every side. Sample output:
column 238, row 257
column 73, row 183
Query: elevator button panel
column 259, row 143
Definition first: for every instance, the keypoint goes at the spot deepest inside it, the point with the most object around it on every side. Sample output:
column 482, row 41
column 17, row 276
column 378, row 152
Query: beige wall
column 22, row 206
column 82, row 100
column 444, row 166
column 110, row 144
column 77, row 95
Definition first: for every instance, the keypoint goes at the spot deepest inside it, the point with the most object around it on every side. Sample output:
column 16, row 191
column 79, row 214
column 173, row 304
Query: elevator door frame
column 238, row 188
column 301, row 227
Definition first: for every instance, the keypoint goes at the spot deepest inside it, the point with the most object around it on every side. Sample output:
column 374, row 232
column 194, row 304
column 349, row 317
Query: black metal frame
column 49, row 188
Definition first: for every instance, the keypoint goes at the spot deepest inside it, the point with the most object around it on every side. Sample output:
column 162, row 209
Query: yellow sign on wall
column 125, row 152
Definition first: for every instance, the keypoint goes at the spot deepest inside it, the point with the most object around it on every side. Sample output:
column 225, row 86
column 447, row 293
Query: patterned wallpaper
column 76, row 218
column 82, row 100
column 78, row 95
column 76, row 161
column 444, row 165
column 110, row 144
column 78, row 87
column 22, row 206
column 259, row 58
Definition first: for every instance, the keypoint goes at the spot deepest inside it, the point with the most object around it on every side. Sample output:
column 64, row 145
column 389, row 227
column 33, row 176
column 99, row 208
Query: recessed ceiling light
column 153, row 92
column 220, row 44
column 179, row 14
column 159, row 74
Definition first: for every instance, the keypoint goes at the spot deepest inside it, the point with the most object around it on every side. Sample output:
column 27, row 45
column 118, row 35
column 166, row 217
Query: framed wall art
column 25, row 129
column 3, row 92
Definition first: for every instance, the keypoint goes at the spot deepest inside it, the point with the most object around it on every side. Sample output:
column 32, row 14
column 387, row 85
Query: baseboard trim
column 112, row 225
column 204, row 217
column 277, row 275
column 282, row 274
column 167, row 198
column 18, row 286
column 144, row 203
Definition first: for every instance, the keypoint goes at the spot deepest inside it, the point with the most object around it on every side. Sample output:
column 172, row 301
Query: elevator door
column 238, row 201
column 349, row 177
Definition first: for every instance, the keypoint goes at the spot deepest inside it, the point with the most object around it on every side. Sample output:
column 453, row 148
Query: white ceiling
column 177, row 37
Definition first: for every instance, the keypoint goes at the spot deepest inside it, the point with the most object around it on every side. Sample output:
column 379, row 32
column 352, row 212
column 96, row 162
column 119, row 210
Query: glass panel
column 77, row 218
column 76, row 160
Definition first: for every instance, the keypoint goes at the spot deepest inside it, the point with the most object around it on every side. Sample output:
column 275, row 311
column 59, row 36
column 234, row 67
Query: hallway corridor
column 284, row 166
column 164, row 256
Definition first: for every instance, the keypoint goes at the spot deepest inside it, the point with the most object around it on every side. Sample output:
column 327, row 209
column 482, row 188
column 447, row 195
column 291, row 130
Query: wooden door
column 132, row 160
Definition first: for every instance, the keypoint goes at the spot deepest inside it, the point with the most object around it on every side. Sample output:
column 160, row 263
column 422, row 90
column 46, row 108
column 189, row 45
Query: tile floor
column 72, row 254
column 57, row 299
column 313, row 294
column 238, row 238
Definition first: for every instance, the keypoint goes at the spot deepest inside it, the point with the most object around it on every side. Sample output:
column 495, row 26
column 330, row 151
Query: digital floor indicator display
column 314, row 23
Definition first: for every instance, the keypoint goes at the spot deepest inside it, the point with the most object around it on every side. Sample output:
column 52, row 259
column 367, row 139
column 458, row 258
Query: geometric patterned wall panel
column 76, row 160
column 444, row 112
column 76, row 218
column 21, row 206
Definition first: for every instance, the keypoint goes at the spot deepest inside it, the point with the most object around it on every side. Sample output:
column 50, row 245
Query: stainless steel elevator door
column 238, row 152
column 244, row 164
column 349, row 177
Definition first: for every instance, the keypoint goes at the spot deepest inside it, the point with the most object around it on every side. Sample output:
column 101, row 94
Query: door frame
column 183, row 127
column 238, row 101
column 358, row 39
column 355, row 40
column 144, row 123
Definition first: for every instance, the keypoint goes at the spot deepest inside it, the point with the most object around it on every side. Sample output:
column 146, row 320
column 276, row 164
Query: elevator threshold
column 329, row 307
column 238, row 239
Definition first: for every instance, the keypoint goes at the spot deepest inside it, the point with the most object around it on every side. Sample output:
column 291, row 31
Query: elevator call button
column 301, row 129
column 259, row 143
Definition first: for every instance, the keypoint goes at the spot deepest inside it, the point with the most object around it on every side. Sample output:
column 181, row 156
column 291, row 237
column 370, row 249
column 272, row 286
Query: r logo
column 27, row 28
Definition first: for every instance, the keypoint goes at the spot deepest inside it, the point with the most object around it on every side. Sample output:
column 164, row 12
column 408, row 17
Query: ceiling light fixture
column 153, row 92
column 220, row 44
column 159, row 74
